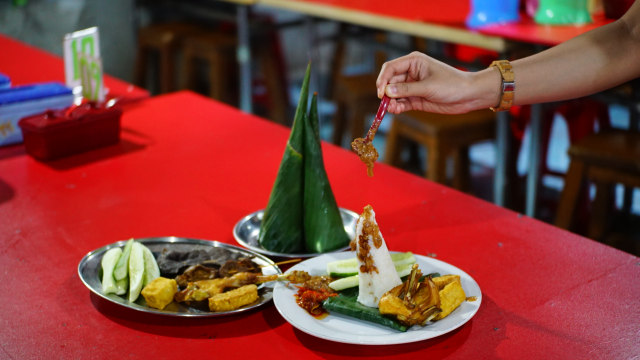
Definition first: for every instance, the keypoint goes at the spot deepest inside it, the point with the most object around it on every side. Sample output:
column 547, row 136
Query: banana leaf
column 282, row 228
column 323, row 228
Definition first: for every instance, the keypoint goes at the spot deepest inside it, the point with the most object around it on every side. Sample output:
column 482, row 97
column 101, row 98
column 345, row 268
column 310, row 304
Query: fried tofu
column 159, row 292
column 234, row 299
column 451, row 294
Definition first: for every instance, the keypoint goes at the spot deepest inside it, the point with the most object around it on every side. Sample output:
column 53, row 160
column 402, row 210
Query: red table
column 26, row 64
column 528, row 31
column 192, row 167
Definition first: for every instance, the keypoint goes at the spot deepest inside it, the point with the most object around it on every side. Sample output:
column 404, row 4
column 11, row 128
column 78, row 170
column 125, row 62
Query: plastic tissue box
column 21, row 101
column 5, row 82
column 56, row 134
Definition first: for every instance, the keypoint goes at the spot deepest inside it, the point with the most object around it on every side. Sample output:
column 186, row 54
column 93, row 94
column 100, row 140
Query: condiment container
column 60, row 133
column 26, row 100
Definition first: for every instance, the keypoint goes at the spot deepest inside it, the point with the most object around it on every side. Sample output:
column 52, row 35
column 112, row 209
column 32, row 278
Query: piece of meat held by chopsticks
column 376, row 272
column 364, row 147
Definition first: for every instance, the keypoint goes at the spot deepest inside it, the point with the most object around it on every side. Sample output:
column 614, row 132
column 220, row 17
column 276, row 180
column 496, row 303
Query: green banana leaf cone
column 281, row 229
column 302, row 215
column 323, row 227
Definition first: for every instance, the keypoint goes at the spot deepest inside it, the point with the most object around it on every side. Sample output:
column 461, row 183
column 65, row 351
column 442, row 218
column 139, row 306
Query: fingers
column 406, row 89
column 396, row 71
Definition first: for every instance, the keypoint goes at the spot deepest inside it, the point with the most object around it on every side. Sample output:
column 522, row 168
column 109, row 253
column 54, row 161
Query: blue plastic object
column 21, row 101
column 488, row 12
column 5, row 82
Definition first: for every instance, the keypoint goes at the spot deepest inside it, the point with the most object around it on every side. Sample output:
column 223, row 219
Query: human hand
column 419, row 82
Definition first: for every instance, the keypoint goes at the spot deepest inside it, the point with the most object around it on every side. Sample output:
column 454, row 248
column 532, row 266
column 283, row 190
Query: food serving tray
column 247, row 231
column 90, row 271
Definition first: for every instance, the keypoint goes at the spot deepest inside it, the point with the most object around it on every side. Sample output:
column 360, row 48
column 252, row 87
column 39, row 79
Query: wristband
column 508, row 85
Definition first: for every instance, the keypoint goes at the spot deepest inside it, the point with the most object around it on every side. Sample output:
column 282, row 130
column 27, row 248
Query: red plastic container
column 60, row 133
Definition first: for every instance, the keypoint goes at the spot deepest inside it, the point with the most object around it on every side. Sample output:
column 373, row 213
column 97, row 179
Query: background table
column 192, row 167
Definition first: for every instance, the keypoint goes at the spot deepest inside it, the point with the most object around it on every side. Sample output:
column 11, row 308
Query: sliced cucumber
column 136, row 270
column 353, row 281
column 344, row 283
column 120, row 272
column 109, row 261
column 151, row 269
column 349, row 267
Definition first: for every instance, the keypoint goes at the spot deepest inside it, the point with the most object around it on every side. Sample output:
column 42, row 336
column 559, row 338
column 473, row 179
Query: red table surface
column 26, row 64
column 527, row 30
column 192, row 167
column 452, row 12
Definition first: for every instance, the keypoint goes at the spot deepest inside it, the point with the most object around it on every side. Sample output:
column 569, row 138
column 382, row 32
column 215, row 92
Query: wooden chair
column 444, row 136
column 605, row 159
column 163, row 40
column 217, row 51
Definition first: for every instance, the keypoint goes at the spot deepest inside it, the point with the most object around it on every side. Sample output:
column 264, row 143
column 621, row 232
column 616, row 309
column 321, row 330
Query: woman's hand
column 419, row 82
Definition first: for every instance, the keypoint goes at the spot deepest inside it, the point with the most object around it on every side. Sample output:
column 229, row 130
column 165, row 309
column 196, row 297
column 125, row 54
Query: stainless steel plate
column 90, row 267
column 247, row 230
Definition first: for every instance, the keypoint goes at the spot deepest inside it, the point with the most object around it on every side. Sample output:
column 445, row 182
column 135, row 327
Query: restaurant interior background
column 43, row 23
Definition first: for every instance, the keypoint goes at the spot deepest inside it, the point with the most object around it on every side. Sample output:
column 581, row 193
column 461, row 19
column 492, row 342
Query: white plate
column 340, row 328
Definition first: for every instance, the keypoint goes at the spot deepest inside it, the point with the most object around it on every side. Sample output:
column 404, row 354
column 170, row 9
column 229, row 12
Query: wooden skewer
column 284, row 262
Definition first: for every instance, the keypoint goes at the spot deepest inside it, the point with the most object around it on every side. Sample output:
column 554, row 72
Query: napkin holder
column 61, row 133
column 21, row 101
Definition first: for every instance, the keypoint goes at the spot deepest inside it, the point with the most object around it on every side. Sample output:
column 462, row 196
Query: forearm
column 592, row 62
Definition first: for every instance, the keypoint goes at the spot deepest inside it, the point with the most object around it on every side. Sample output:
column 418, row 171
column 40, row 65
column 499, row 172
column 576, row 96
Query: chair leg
column 392, row 146
column 461, row 169
column 339, row 123
column 357, row 121
column 216, row 77
column 140, row 73
column 167, row 70
column 601, row 207
column 188, row 70
column 437, row 163
column 569, row 196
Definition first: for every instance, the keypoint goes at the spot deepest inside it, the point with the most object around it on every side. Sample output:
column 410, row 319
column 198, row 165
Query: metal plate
column 90, row 267
column 247, row 230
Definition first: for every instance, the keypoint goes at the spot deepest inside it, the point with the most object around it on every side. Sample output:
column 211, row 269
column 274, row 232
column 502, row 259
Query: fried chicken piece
column 195, row 273
column 414, row 302
column 232, row 267
column 204, row 289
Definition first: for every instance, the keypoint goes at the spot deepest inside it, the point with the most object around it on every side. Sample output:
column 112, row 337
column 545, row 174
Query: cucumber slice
column 151, row 269
column 122, row 286
column 349, row 267
column 344, row 283
column 353, row 281
column 136, row 270
column 109, row 261
column 122, row 267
